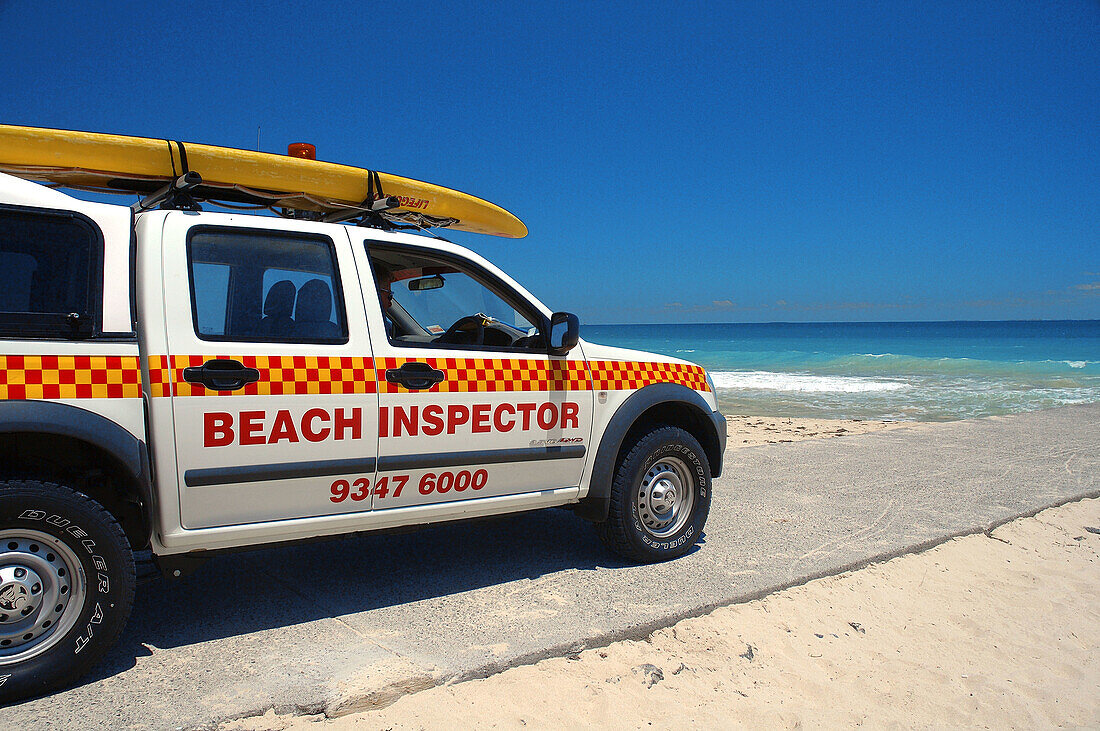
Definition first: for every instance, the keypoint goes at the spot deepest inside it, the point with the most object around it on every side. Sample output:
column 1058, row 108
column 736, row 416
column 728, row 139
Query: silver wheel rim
column 42, row 589
column 665, row 497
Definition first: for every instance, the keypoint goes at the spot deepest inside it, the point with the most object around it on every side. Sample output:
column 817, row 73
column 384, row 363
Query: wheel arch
column 659, row 404
column 50, row 441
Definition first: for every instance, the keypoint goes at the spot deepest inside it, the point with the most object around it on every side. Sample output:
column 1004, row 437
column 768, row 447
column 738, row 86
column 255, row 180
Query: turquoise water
column 924, row 371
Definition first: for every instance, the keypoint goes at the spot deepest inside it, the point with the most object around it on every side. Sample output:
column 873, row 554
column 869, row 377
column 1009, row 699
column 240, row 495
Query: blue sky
column 779, row 161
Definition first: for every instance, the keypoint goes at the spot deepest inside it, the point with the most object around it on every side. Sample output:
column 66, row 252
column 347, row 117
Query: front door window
column 428, row 299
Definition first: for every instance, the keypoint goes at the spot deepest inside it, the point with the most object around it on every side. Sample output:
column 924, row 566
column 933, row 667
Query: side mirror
column 564, row 332
column 426, row 283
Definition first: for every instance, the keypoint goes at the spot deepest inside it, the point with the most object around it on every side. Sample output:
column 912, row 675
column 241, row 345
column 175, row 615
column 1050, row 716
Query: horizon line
column 834, row 322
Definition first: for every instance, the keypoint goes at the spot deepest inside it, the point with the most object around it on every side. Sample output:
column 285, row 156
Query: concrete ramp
column 347, row 625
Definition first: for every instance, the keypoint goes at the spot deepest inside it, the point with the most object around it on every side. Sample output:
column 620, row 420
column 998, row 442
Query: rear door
column 471, row 406
column 268, row 369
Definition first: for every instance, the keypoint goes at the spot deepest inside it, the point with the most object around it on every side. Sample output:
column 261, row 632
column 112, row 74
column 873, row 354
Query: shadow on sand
column 240, row 593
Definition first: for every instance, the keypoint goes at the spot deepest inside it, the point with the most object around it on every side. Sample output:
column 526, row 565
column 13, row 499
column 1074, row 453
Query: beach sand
column 749, row 431
column 995, row 630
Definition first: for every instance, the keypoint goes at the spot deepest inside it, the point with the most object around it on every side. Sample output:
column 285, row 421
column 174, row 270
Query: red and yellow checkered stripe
column 490, row 375
column 119, row 376
column 69, row 376
column 280, row 375
column 619, row 375
column 287, row 375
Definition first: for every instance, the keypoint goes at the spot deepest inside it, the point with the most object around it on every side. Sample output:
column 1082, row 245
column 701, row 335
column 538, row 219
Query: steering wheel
column 463, row 326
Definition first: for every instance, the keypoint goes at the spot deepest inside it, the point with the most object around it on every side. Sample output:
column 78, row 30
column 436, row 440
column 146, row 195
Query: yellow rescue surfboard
column 140, row 165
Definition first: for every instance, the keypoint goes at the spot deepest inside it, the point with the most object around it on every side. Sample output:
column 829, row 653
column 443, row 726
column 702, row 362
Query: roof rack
column 188, row 191
column 178, row 194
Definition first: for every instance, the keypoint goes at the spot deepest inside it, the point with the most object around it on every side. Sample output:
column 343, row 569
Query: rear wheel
column 660, row 497
column 66, row 586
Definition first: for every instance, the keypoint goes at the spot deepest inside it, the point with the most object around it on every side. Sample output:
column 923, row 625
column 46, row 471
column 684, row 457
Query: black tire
column 636, row 531
column 76, row 554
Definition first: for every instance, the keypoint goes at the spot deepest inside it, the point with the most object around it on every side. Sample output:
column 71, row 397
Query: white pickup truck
column 187, row 382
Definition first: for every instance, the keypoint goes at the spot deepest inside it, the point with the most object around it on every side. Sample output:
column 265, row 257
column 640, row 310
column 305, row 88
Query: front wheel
column 66, row 586
column 660, row 497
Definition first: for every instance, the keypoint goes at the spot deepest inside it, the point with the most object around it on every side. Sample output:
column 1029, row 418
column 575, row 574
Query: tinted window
column 49, row 264
column 265, row 286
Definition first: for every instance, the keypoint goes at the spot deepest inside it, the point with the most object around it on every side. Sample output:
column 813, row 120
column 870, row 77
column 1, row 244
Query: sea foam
column 772, row 381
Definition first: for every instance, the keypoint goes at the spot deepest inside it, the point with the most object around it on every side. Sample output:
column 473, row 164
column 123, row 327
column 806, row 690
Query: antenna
column 257, row 138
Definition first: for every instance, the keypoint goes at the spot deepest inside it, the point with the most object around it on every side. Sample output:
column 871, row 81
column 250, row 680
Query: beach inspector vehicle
column 187, row 382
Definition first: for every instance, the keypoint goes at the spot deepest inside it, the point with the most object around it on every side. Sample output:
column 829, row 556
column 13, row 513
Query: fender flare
column 594, row 506
column 50, row 417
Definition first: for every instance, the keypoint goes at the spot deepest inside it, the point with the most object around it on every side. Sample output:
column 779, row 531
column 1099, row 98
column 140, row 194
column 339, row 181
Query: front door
column 470, row 404
column 269, row 369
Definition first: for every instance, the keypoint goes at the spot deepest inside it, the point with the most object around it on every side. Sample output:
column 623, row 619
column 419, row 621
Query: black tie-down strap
column 179, row 193
column 373, row 181
column 376, row 203
column 183, row 157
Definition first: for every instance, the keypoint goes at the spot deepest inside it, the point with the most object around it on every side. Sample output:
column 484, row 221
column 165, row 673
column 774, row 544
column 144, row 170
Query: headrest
column 314, row 302
column 280, row 299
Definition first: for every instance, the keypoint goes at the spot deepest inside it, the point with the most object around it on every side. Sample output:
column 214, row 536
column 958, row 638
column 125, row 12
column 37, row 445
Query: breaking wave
column 772, row 381
column 922, row 371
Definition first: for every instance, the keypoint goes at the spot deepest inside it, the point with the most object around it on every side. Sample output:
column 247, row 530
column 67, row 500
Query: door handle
column 415, row 376
column 221, row 375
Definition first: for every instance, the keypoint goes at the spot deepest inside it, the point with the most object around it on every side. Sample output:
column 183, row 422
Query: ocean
column 919, row 371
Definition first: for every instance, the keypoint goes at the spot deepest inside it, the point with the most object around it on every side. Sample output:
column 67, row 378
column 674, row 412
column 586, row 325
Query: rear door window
column 265, row 286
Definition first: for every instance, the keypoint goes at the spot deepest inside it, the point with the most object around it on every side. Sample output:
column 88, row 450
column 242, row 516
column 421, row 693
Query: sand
column 749, row 431
column 993, row 631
